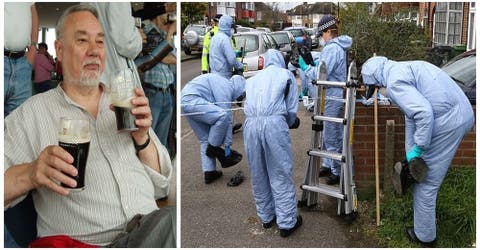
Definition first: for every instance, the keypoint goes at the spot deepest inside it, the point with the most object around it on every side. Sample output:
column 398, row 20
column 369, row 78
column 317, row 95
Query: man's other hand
column 143, row 116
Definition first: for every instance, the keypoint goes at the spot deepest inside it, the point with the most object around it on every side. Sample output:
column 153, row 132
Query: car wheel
column 187, row 51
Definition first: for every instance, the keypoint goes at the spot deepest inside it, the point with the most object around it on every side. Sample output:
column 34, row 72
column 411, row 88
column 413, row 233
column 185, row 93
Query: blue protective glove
column 305, row 91
column 316, row 62
column 238, row 53
column 302, row 63
column 227, row 151
column 414, row 152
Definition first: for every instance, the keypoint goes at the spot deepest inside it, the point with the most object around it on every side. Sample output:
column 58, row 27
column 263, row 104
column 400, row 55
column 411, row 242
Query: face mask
column 322, row 42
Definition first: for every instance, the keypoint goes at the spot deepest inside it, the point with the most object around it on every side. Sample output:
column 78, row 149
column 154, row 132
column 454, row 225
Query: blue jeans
column 17, row 78
column 8, row 239
column 161, row 105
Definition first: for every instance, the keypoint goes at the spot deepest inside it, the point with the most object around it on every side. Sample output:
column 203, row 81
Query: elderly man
column 125, row 172
column 437, row 117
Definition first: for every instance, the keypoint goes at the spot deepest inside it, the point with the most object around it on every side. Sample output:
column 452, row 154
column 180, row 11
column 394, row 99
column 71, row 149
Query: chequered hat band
column 326, row 25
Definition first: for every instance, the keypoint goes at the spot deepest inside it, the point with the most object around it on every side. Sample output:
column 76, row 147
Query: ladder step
column 327, row 154
column 325, row 189
column 329, row 119
column 331, row 83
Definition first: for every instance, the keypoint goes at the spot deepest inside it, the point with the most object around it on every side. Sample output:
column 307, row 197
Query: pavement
column 194, row 55
column 220, row 216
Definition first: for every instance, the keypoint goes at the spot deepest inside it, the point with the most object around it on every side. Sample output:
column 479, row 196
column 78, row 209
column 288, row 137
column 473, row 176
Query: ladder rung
column 327, row 154
column 331, row 83
column 325, row 189
column 329, row 119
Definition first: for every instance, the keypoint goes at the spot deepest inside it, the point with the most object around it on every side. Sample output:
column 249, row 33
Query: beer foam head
column 74, row 130
column 125, row 103
column 122, row 88
column 74, row 139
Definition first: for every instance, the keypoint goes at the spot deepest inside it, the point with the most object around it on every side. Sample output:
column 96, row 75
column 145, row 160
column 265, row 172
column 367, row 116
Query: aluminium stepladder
column 346, row 191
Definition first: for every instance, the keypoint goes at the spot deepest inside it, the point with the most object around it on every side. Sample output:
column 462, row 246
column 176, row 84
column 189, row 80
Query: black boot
column 270, row 223
column 218, row 152
column 211, row 176
column 286, row 232
column 413, row 238
column 324, row 172
column 236, row 127
column 333, row 179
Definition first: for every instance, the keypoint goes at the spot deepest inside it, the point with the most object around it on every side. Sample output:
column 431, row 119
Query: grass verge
column 455, row 213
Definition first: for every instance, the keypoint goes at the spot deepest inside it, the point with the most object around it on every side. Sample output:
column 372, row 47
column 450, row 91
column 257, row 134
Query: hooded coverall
column 437, row 117
column 334, row 54
column 211, row 94
column 222, row 58
column 271, row 107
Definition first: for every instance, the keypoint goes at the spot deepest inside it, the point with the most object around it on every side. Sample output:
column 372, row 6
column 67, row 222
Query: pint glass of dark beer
column 74, row 137
column 122, row 91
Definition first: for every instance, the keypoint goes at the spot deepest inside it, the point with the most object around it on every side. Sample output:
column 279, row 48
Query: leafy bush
column 385, row 36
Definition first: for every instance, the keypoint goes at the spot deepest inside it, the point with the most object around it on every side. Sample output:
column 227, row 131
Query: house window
column 448, row 23
column 471, row 28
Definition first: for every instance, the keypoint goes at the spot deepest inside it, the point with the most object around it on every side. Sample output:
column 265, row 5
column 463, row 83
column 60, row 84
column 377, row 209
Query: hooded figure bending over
column 206, row 101
column 437, row 117
column 271, row 109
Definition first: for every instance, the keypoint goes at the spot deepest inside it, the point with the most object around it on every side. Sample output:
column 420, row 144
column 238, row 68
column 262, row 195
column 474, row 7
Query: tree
column 193, row 13
column 385, row 36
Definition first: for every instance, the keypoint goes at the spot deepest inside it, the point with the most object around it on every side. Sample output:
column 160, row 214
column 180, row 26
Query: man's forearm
column 149, row 156
column 17, row 182
column 170, row 59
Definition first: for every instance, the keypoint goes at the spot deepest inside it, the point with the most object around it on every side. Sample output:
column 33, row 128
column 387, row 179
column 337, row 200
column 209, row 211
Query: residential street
column 217, row 215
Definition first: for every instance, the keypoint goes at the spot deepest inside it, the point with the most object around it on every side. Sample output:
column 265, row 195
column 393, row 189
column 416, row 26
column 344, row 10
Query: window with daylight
column 471, row 28
column 448, row 23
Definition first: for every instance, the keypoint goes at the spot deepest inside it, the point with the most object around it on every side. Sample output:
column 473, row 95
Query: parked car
column 255, row 45
column 313, row 35
column 285, row 41
column 192, row 37
column 301, row 32
column 263, row 29
column 244, row 29
column 462, row 69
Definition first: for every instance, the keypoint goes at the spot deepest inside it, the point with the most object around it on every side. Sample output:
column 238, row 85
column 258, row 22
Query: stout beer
column 125, row 119
column 79, row 151
column 74, row 137
column 122, row 91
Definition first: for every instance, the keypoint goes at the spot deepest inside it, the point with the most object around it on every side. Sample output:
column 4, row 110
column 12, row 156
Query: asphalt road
column 217, row 215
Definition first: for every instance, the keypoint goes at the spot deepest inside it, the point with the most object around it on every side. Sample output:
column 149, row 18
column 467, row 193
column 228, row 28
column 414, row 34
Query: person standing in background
column 158, row 80
column 44, row 66
column 21, row 25
column 124, row 38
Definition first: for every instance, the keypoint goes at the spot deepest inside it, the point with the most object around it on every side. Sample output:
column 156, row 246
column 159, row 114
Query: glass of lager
column 122, row 91
column 74, row 137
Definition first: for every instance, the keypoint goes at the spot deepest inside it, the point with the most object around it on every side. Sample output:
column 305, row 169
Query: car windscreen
column 280, row 38
column 296, row 32
column 462, row 70
column 249, row 41
column 198, row 29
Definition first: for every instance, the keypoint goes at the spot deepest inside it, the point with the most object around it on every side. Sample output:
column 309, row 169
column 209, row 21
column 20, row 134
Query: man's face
column 81, row 50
